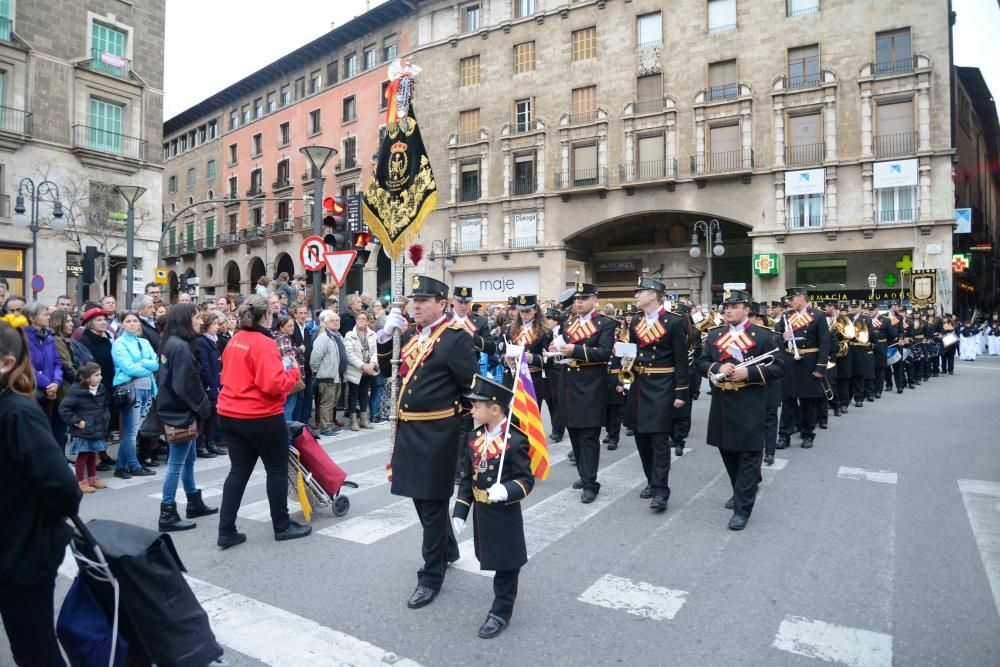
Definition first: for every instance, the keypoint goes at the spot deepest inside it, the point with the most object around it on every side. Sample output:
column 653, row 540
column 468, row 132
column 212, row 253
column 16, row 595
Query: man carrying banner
column 660, row 389
column 437, row 361
column 587, row 339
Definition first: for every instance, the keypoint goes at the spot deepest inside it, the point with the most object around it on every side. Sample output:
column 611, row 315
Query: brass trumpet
column 766, row 359
column 626, row 374
column 793, row 347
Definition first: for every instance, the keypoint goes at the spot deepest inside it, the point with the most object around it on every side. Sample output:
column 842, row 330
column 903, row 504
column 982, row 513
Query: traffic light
column 334, row 217
column 182, row 283
column 362, row 239
column 90, row 255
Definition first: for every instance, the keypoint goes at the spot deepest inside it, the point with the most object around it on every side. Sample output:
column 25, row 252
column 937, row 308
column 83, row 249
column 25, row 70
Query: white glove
column 457, row 525
column 393, row 321
column 497, row 493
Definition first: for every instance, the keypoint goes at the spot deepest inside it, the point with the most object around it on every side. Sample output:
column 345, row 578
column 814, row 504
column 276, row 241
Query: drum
column 893, row 355
column 948, row 340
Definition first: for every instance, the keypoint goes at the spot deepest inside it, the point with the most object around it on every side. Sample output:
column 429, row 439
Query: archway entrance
column 172, row 287
column 284, row 263
column 617, row 252
column 232, row 278
column 256, row 268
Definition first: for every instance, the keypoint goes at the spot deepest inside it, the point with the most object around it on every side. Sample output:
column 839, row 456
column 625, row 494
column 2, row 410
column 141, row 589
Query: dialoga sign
column 496, row 286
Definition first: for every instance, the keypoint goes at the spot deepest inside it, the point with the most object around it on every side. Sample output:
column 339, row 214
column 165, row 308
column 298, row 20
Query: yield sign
column 339, row 263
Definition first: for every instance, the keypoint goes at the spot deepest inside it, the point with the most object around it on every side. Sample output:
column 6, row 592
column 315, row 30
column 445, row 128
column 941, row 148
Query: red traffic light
column 361, row 239
column 333, row 204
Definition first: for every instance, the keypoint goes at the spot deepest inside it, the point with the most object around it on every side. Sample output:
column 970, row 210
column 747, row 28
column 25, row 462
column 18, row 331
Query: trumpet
column 766, row 359
column 626, row 374
column 793, row 347
column 827, row 389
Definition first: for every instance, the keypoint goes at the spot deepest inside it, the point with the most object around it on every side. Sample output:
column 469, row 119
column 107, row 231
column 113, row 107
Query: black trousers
column 439, row 544
column 801, row 409
column 908, row 372
column 613, row 421
column 504, row 592
column 744, row 475
column 887, row 376
column 682, row 419
column 935, row 363
column 587, row 451
column 880, row 374
column 899, row 375
column 654, row 452
column 870, row 386
column 822, row 410
column 694, row 381
column 858, row 388
column 844, row 391
column 557, row 415
column 28, row 618
column 265, row 438
column 770, row 429
column 948, row 359
column 357, row 395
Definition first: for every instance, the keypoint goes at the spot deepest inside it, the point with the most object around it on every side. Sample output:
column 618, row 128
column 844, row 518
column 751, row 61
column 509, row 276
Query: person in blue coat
column 135, row 362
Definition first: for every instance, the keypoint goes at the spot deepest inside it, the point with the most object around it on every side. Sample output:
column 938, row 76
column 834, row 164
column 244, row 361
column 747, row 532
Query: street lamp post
column 35, row 192
column 318, row 156
column 447, row 259
column 718, row 249
column 131, row 193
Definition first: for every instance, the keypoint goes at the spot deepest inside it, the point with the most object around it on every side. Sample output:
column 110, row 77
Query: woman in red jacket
column 255, row 383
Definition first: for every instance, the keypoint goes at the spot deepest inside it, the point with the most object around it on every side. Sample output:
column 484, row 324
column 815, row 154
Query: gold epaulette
column 457, row 326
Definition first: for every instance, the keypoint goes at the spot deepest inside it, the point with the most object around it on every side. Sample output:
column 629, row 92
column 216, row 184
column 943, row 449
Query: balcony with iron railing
column 895, row 215
column 803, row 73
column 804, row 154
column 892, row 67
column 652, row 170
column 725, row 162
column 187, row 246
column 581, row 178
column 109, row 63
column 347, row 163
column 255, row 190
column 469, row 192
column 523, row 241
column 797, row 221
column 654, row 105
column 254, row 233
column 468, row 137
column 303, row 223
column 227, row 239
column 894, row 145
column 726, row 91
column 281, row 183
column 468, row 246
column 282, row 227
column 581, row 117
column 207, row 243
column 95, row 139
column 721, row 28
column 520, row 187
column 15, row 121
column 523, row 126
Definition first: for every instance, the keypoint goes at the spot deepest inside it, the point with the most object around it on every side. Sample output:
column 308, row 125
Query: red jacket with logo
column 254, row 380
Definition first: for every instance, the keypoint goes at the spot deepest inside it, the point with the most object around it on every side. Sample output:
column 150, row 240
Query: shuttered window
column 524, row 57
column 895, row 118
column 468, row 71
column 649, row 88
column 468, row 125
column 104, row 39
column 724, row 139
column 805, row 130
column 584, row 44
column 584, row 101
column 651, row 149
column 585, row 164
column 105, row 121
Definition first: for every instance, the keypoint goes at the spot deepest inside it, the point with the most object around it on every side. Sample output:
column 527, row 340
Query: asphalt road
column 878, row 547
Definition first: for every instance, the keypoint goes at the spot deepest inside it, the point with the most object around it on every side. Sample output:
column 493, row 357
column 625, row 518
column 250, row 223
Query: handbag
column 123, row 396
column 179, row 434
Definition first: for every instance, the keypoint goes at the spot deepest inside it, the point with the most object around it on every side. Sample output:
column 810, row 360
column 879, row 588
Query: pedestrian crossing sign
column 766, row 264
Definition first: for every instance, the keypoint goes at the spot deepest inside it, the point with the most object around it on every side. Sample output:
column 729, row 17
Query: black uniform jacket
column 662, row 347
column 736, row 417
column 843, row 368
column 881, row 328
column 774, row 385
column 435, row 372
column 862, row 355
column 584, row 384
column 812, row 335
column 477, row 327
column 498, row 528
column 534, row 343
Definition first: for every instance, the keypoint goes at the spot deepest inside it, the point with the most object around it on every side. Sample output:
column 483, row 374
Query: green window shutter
column 5, row 21
column 210, row 233
column 107, row 40
column 173, row 241
column 189, row 237
column 105, row 121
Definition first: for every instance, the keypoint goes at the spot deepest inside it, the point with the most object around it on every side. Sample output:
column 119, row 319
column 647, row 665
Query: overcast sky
column 211, row 44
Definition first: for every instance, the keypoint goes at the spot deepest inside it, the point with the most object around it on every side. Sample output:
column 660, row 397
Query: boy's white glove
column 497, row 493
column 457, row 525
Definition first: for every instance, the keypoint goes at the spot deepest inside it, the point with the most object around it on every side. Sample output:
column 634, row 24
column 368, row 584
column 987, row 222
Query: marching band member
column 437, row 362
column 968, row 343
column 934, row 331
column 554, row 319
column 758, row 315
column 892, row 373
column 587, row 339
column 807, row 340
column 495, row 499
column 739, row 398
column 840, row 337
column 880, row 346
column 660, row 388
column 528, row 329
column 950, row 326
column 862, row 357
column 682, row 415
column 919, row 336
column 993, row 336
column 616, row 390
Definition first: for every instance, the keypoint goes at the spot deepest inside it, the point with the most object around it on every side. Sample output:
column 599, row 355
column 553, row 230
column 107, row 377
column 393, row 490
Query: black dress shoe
column 859, row 404
column 783, row 442
column 737, row 522
column 822, row 425
column 492, row 626
column 678, row 450
column 629, row 432
column 836, row 411
column 658, row 504
column 226, row 541
column 843, row 409
column 899, row 391
column 912, row 386
column 555, row 438
column 141, row 472
column 121, row 473
column 646, row 493
column 612, row 445
column 769, row 459
column 871, row 399
column 878, row 395
column 606, row 440
column 588, row 496
column 578, row 484
column 203, row 453
column 807, row 442
column 293, row 532
column 731, row 503
column 572, row 457
column 421, row 597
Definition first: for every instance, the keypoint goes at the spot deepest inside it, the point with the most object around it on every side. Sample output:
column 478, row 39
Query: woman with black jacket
column 181, row 400
column 37, row 493
column 95, row 338
column 210, row 366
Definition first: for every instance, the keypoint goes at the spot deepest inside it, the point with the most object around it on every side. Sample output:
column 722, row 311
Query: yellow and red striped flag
column 529, row 418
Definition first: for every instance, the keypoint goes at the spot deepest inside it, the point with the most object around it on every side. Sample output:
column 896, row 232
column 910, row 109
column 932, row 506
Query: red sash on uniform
column 740, row 339
column 800, row 320
column 525, row 337
column 469, row 325
column 579, row 330
column 650, row 334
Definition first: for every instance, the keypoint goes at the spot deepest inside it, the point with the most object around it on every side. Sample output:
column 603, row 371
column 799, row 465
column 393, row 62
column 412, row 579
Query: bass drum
column 893, row 355
column 948, row 340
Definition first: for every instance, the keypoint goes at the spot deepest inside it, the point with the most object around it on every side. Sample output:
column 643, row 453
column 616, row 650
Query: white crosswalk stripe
column 635, row 597
column 982, row 504
column 834, row 643
column 880, row 476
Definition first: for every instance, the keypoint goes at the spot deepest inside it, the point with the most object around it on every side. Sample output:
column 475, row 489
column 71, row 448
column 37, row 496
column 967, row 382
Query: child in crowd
column 86, row 411
column 498, row 527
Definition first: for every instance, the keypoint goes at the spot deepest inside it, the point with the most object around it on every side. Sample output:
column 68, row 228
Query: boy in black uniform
column 494, row 488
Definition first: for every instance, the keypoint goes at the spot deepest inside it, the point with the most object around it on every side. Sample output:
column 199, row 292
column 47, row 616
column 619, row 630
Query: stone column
column 506, row 169
column 453, row 173
column 540, row 163
column 925, row 188
column 866, row 121
column 924, row 114
column 506, row 229
column 868, row 194
column 484, row 232
column 779, row 135
column 540, row 229
column 830, row 124
column 831, row 197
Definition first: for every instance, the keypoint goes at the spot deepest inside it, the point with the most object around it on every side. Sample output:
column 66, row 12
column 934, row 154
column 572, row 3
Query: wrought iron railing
column 230, row 238
column 648, row 171
column 15, row 121
column 468, row 246
column 889, row 67
column 583, row 117
column 897, row 215
column 803, row 72
column 109, row 63
column 726, row 161
column 282, row 182
column 581, row 178
column 523, row 186
column 651, row 106
column 468, row 137
column 805, row 154
column 282, row 227
column 889, row 145
column 722, row 28
column 523, row 241
column 726, row 91
column 522, row 126
column 805, row 221
column 105, row 141
column 469, row 192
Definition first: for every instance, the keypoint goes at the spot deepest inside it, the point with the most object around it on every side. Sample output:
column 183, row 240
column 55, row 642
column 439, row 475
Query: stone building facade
column 81, row 88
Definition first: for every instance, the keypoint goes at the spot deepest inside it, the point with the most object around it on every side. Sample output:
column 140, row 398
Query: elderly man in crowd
column 329, row 364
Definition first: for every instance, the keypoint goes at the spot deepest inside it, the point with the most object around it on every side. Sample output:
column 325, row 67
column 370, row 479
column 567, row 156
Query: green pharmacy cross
column 891, row 279
column 905, row 264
